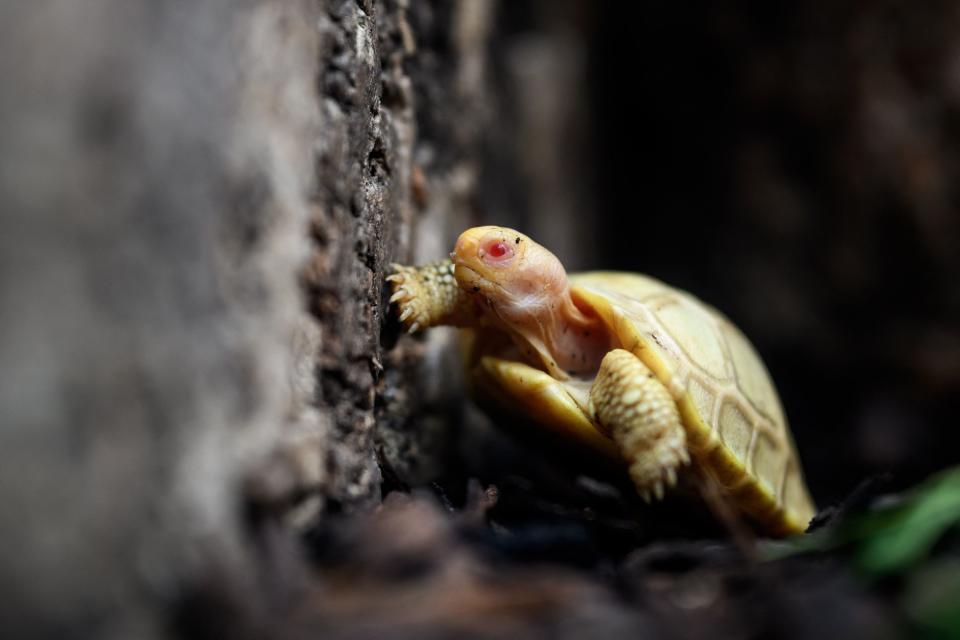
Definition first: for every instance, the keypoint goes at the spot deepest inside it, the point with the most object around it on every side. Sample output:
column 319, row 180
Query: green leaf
column 899, row 537
column 893, row 537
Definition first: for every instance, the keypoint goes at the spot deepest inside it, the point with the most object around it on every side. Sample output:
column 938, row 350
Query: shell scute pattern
column 704, row 399
column 736, row 432
column 699, row 354
column 752, row 377
column 695, row 333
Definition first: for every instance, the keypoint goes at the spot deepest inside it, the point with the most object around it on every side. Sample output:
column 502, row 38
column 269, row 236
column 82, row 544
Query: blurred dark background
column 792, row 165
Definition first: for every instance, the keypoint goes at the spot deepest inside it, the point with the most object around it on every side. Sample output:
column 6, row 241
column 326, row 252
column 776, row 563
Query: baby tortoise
column 618, row 362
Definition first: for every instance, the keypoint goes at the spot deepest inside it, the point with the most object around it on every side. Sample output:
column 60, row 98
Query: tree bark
column 200, row 203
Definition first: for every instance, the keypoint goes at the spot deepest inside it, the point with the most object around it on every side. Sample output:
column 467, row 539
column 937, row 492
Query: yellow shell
column 735, row 426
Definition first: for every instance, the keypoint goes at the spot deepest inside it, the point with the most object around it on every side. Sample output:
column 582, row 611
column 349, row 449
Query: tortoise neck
column 567, row 339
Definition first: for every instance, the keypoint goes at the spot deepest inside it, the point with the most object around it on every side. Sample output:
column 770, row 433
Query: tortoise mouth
column 471, row 280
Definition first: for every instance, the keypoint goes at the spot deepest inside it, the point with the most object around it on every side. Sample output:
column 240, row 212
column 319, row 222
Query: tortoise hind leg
column 640, row 415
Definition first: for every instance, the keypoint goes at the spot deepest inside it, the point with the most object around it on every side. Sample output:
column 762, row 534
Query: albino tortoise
column 619, row 362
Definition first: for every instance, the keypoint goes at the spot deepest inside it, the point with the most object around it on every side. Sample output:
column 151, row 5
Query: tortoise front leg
column 428, row 296
column 641, row 416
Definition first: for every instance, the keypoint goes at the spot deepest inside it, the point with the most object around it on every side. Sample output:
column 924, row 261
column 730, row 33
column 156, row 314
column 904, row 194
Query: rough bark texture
column 155, row 174
column 200, row 205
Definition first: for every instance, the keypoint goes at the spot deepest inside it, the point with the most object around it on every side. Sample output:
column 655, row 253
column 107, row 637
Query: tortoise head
column 519, row 280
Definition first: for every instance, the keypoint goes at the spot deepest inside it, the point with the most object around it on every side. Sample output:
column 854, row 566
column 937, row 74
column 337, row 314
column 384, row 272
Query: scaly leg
column 428, row 296
column 640, row 415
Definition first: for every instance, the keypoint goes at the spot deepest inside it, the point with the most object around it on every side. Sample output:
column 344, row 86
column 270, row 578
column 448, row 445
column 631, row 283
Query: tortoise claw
column 429, row 296
column 671, row 477
column 658, row 490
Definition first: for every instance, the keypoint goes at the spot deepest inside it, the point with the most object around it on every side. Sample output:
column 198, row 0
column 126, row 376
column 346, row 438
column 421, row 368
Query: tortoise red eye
column 496, row 251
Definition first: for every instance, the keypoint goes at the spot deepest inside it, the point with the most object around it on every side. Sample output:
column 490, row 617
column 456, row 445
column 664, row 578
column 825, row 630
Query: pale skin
column 498, row 279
